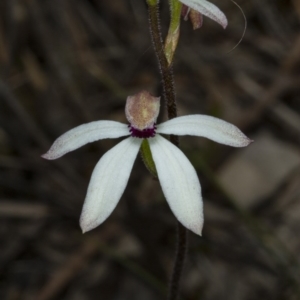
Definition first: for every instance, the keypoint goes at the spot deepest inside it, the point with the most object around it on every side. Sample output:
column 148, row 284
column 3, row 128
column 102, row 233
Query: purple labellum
column 142, row 134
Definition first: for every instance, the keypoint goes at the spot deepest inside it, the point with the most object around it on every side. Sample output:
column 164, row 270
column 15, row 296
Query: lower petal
column 179, row 182
column 108, row 183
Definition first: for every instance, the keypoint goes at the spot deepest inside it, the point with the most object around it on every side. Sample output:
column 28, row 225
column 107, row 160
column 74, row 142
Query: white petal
column 84, row 134
column 206, row 126
column 207, row 9
column 179, row 182
column 108, row 183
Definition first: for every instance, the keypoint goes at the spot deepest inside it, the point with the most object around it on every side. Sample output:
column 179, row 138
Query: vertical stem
column 170, row 98
column 181, row 248
column 164, row 67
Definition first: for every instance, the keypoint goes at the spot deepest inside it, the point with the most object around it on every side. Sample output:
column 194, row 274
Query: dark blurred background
column 68, row 62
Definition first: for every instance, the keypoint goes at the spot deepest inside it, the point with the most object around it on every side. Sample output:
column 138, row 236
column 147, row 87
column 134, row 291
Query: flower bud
column 142, row 110
column 195, row 17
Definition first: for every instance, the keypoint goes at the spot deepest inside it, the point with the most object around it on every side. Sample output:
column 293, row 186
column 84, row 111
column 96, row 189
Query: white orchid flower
column 176, row 175
column 207, row 9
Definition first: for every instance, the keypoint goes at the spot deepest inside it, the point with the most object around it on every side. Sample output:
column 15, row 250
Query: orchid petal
column 207, row 9
column 84, row 134
column 179, row 182
column 108, row 183
column 206, row 126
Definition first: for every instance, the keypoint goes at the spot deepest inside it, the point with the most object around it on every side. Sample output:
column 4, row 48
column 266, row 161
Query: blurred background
column 68, row 62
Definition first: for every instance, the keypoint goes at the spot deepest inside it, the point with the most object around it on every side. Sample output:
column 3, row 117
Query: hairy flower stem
column 167, row 75
column 166, row 70
column 181, row 248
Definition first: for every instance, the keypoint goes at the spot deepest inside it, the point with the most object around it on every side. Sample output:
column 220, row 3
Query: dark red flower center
column 142, row 134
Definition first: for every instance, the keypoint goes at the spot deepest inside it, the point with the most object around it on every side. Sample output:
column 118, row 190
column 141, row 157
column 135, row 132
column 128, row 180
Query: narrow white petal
column 206, row 126
column 179, row 182
column 108, row 183
column 207, row 9
column 84, row 134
